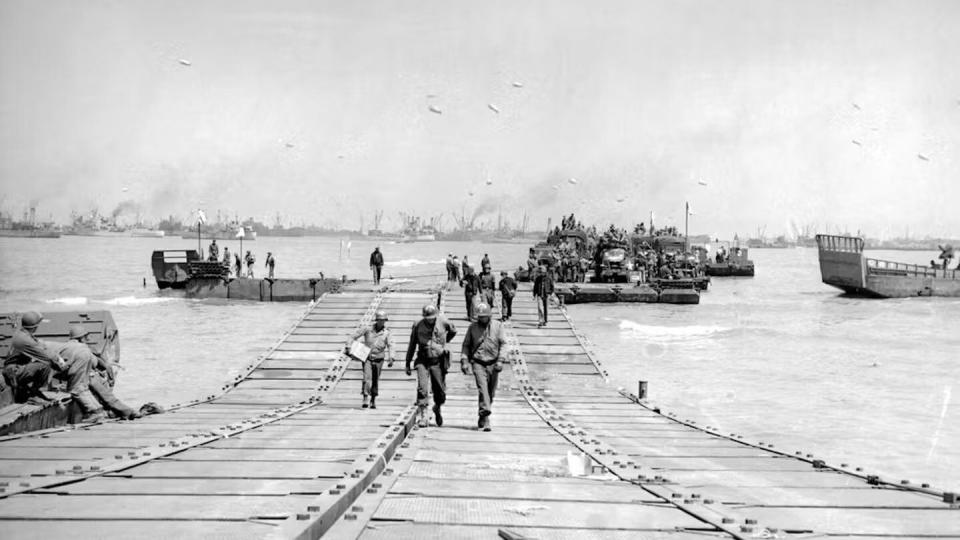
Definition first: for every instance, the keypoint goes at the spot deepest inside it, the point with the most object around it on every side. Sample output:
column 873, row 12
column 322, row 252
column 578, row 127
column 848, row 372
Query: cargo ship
column 223, row 233
column 844, row 266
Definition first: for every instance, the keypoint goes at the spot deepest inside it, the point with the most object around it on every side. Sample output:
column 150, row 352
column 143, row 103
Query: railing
column 847, row 244
column 891, row 268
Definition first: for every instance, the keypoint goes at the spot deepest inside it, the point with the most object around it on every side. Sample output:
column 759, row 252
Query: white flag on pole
column 201, row 217
column 240, row 232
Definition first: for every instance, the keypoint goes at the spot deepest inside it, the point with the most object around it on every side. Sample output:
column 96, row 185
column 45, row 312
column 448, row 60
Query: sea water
column 779, row 358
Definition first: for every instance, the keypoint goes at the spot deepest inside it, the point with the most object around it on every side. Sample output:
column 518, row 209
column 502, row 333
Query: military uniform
column 481, row 353
column 428, row 341
column 28, row 366
column 381, row 345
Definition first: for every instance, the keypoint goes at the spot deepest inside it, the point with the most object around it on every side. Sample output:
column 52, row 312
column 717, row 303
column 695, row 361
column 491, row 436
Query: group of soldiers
column 31, row 364
column 428, row 355
column 213, row 255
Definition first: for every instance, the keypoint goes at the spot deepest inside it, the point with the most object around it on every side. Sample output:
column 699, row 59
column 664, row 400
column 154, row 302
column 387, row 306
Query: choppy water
column 780, row 358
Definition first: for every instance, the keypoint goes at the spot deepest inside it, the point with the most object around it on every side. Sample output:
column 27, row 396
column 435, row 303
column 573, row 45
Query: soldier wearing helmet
column 379, row 340
column 481, row 355
column 488, row 284
column 29, row 362
column 428, row 341
column 542, row 290
column 87, row 387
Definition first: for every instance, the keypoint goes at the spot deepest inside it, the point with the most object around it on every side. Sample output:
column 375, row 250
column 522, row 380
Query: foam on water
column 137, row 301
column 69, row 301
column 669, row 332
column 406, row 263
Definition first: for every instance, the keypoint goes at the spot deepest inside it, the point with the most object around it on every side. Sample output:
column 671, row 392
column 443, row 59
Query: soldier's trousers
column 469, row 298
column 430, row 377
column 486, row 377
column 371, row 377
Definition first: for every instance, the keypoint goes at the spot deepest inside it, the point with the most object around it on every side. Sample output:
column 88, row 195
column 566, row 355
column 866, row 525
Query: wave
column 136, row 301
column 671, row 332
column 406, row 263
column 69, row 301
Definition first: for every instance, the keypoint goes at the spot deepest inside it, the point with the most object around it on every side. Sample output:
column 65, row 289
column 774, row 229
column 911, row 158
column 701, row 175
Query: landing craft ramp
column 286, row 452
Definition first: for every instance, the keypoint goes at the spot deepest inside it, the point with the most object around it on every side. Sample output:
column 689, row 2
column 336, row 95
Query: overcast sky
column 839, row 113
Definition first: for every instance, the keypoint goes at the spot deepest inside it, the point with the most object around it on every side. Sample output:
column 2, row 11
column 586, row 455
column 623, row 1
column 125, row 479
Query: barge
column 844, row 266
column 103, row 339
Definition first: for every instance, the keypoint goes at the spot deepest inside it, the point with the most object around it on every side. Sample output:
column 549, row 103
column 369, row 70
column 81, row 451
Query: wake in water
column 670, row 332
column 69, row 301
column 120, row 301
column 406, row 263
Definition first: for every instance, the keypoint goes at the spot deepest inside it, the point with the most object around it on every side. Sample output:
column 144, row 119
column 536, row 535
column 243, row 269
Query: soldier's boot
column 373, row 402
column 422, row 416
column 366, row 401
column 437, row 416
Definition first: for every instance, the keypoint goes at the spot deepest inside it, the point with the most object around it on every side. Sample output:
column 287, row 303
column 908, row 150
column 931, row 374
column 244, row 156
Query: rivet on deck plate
column 24, row 484
column 60, row 472
column 372, row 490
column 302, row 517
column 334, row 491
column 341, row 486
column 313, row 509
column 750, row 521
column 726, row 520
column 924, row 485
column 905, row 482
column 350, row 517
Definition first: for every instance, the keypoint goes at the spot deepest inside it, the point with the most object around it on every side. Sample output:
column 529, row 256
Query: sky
column 765, row 115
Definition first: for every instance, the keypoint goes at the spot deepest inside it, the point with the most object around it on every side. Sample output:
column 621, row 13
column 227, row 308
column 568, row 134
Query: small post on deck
column 686, row 227
column 641, row 389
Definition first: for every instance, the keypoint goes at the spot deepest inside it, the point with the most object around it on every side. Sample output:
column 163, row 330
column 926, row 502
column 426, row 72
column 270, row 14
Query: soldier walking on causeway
column 376, row 264
column 481, row 356
column 380, row 342
column 428, row 340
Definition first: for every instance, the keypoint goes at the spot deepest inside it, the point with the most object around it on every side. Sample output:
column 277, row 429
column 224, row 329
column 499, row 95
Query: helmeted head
column 503, row 273
column 430, row 312
column 483, row 313
column 214, row 241
column 380, row 318
column 30, row 320
column 78, row 332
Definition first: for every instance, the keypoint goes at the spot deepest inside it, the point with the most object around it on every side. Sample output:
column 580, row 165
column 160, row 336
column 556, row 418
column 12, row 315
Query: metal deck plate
column 163, row 468
column 538, row 513
column 568, row 489
column 393, row 531
column 192, row 486
column 136, row 530
column 205, row 507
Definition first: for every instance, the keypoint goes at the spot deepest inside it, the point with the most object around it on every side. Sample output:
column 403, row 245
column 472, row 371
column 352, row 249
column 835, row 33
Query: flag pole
column 686, row 228
column 199, row 248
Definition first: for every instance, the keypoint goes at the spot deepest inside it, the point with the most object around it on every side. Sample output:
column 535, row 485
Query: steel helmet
column 380, row 315
column 429, row 311
column 30, row 319
column 483, row 310
column 77, row 331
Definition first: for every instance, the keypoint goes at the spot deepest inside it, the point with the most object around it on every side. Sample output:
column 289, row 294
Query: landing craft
column 517, row 84
column 435, row 109
column 489, row 181
column 572, row 180
column 701, row 182
column 923, row 157
column 555, row 187
column 185, row 62
column 493, row 108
